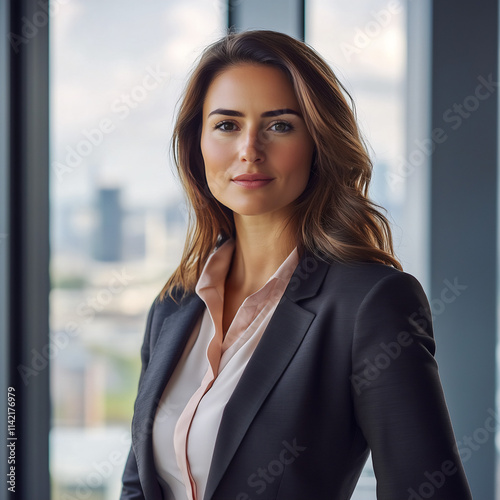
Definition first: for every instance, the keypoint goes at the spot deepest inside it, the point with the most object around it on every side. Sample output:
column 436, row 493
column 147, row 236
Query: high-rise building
column 108, row 235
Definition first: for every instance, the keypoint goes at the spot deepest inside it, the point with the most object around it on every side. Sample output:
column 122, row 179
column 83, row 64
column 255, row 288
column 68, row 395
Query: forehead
column 251, row 85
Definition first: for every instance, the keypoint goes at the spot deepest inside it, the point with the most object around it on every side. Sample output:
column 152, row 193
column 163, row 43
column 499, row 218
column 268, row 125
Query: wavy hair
column 334, row 217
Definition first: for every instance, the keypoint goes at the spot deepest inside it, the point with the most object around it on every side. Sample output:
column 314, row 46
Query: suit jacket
column 345, row 366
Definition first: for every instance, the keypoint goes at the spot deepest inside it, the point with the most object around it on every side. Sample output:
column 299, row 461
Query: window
column 366, row 47
column 117, row 217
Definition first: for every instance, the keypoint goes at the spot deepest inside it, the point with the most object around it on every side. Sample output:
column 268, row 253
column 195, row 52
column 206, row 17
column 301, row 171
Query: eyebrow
column 275, row 112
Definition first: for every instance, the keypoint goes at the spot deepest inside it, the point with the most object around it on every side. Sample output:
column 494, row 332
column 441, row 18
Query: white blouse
column 190, row 410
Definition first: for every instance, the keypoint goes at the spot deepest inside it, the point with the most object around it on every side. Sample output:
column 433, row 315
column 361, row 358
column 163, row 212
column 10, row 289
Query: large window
column 117, row 217
column 366, row 47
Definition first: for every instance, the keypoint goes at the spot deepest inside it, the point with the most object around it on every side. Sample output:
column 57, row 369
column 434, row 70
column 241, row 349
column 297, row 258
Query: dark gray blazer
column 345, row 366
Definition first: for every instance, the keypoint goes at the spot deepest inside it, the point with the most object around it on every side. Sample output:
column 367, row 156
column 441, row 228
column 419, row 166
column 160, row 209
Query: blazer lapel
column 283, row 335
column 174, row 334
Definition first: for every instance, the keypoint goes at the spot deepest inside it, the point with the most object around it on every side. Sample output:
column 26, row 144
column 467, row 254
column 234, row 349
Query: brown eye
column 226, row 126
column 281, row 127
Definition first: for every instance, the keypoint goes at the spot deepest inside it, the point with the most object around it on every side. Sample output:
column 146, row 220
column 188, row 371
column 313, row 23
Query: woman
column 288, row 343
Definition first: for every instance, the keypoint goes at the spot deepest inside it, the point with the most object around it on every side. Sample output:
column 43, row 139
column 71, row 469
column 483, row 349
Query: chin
column 248, row 212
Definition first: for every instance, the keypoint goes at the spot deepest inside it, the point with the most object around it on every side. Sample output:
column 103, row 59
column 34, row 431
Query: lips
column 253, row 177
column 252, row 181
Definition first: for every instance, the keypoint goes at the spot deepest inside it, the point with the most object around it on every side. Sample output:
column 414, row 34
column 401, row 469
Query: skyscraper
column 108, row 234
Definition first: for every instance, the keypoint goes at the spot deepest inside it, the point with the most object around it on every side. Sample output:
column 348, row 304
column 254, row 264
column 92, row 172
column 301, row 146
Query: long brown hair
column 333, row 216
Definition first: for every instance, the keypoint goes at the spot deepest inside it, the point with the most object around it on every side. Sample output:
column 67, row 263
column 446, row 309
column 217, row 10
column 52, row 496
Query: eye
column 226, row 126
column 281, row 127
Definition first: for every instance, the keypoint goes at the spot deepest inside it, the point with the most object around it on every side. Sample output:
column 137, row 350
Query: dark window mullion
column 28, row 230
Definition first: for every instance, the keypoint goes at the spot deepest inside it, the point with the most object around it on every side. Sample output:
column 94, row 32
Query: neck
column 261, row 246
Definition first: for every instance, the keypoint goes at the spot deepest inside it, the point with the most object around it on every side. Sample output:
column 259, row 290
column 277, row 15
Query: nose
column 252, row 149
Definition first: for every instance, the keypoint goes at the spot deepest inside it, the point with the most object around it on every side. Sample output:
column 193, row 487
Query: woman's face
column 252, row 126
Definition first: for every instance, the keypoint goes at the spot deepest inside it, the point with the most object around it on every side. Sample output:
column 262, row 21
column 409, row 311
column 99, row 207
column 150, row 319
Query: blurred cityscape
column 108, row 266
column 118, row 220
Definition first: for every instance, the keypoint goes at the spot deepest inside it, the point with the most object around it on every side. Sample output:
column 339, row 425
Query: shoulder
column 383, row 304
column 363, row 272
column 354, row 290
column 364, row 281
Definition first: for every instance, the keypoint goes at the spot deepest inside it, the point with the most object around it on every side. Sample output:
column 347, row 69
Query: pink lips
column 252, row 181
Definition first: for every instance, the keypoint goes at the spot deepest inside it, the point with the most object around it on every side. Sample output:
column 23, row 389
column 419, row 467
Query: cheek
column 217, row 157
column 209, row 154
column 296, row 163
column 215, row 181
column 215, row 154
column 214, row 168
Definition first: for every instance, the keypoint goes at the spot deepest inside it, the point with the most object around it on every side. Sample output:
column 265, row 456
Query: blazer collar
column 307, row 277
column 264, row 367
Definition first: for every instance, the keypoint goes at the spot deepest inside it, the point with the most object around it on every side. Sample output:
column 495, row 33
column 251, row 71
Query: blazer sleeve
column 131, row 489
column 398, row 398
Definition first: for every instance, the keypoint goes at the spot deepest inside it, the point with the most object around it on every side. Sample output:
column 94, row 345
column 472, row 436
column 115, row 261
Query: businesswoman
column 288, row 343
